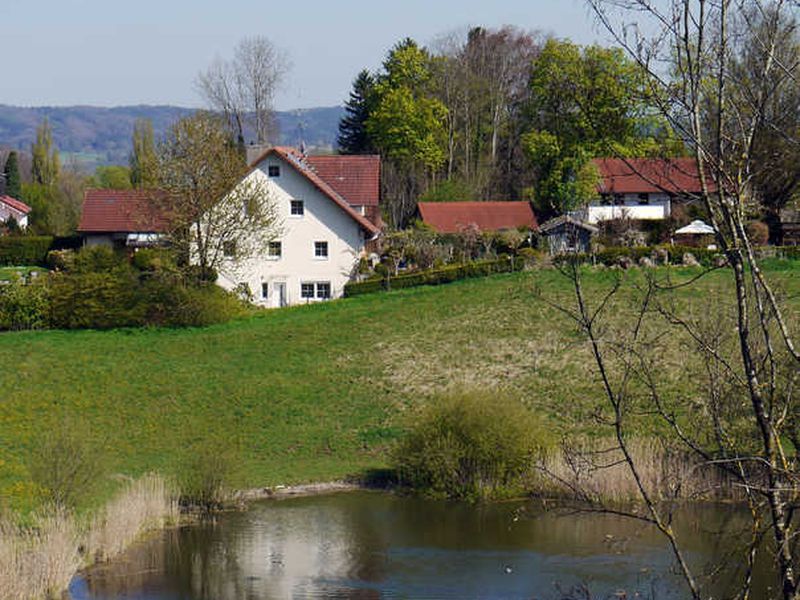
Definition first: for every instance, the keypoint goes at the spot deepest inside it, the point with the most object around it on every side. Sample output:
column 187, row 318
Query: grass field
column 314, row 392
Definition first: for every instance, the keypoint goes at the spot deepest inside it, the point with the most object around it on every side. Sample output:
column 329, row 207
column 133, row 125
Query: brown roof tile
column 121, row 211
column 451, row 217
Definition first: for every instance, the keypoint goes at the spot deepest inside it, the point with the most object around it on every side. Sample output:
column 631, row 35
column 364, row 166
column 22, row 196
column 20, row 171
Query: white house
column 641, row 189
column 322, row 234
column 11, row 208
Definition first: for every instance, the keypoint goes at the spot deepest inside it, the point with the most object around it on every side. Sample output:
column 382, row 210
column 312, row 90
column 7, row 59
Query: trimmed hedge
column 27, row 250
column 435, row 276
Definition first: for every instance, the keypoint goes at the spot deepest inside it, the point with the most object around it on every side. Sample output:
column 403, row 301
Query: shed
column 568, row 235
column 790, row 226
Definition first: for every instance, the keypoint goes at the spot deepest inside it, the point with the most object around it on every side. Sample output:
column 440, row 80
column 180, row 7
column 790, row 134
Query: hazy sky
column 108, row 52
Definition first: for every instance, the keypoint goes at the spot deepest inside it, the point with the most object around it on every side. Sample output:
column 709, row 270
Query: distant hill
column 100, row 136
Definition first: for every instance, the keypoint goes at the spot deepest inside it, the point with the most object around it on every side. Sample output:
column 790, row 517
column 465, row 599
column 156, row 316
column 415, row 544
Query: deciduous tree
column 143, row 159
column 46, row 164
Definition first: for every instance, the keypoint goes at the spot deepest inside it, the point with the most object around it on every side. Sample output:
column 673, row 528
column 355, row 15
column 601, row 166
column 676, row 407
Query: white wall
column 323, row 220
column 658, row 207
column 6, row 212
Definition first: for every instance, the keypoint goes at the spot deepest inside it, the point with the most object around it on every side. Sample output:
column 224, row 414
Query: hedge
column 435, row 276
column 24, row 250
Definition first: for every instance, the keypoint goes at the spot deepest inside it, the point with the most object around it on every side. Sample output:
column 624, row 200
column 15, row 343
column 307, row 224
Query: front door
column 279, row 294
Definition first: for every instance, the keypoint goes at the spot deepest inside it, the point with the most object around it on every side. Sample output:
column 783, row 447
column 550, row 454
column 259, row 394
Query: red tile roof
column 357, row 179
column 451, row 217
column 300, row 164
column 123, row 211
column 15, row 204
column 648, row 176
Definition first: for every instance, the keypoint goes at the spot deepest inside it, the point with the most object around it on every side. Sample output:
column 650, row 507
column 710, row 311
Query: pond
column 380, row 545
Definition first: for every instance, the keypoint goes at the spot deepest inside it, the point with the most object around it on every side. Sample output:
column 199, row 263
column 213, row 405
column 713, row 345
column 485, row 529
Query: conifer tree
column 353, row 137
column 143, row 160
column 45, row 166
column 11, row 172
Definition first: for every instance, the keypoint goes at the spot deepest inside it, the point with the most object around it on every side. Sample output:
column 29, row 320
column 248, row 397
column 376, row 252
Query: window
column 297, row 208
column 264, row 290
column 320, row 249
column 307, row 290
column 644, row 198
column 274, row 171
column 275, row 250
column 619, row 200
column 229, row 249
column 605, row 199
column 323, row 290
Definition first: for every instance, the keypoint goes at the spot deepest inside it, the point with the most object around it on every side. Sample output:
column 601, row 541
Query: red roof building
column 11, row 208
column 452, row 217
column 121, row 211
column 674, row 176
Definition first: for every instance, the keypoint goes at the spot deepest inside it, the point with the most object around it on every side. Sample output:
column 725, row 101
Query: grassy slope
column 306, row 393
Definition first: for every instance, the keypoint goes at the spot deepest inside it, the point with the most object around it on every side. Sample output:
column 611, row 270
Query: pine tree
column 353, row 137
column 45, row 166
column 143, row 161
column 11, row 172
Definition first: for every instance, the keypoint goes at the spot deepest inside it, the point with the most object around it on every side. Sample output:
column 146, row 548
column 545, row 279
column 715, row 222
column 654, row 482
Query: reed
column 596, row 471
column 38, row 560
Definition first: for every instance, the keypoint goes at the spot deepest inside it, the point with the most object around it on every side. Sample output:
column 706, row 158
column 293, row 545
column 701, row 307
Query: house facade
column 321, row 235
column 11, row 208
column 641, row 189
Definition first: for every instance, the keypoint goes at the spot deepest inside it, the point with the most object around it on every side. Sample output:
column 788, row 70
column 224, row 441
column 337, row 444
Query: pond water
column 378, row 545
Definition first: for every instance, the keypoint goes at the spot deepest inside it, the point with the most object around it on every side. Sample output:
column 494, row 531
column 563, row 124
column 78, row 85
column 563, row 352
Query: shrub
column 207, row 472
column 97, row 259
column 471, row 446
column 24, row 305
column 24, row 250
column 154, row 259
column 65, row 467
column 447, row 274
column 758, row 233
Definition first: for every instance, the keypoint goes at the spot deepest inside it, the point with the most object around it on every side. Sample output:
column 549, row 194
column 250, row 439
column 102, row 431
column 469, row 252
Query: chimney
column 255, row 150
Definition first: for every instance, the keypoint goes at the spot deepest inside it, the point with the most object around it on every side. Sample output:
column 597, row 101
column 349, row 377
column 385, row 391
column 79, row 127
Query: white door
column 279, row 294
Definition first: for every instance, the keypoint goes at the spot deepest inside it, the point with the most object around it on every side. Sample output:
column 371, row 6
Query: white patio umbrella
column 696, row 228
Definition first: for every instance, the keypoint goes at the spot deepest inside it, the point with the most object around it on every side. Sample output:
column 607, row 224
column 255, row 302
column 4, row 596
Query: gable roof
column 648, row 176
column 555, row 223
column 17, row 205
column 298, row 162
column 123, row 211
column 451, row 217
column 355, row 178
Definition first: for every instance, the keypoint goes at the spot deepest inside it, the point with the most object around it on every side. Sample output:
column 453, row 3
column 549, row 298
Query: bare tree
column 243, row 88
column 218, row 215
column 690, row 50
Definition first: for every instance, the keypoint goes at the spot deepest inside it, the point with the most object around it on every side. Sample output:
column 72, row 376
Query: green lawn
column 314, row 392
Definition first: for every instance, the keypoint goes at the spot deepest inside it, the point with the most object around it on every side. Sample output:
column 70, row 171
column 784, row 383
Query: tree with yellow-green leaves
column 45, row 168
column 143, row 159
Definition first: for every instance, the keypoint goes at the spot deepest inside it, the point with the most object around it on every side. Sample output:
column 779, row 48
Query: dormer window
column 274, row 170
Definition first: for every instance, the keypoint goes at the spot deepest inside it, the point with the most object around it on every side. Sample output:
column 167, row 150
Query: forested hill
column 96, row 135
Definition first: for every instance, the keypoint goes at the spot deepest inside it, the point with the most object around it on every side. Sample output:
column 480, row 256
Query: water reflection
column 373, row 545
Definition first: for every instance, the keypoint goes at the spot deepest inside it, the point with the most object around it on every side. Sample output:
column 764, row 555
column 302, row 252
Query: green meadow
column 320, row 392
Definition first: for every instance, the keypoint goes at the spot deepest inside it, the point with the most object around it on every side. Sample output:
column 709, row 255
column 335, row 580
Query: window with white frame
column 274, row 171
column 307, row 290
column 320, row 290
column 274, row 250
column 320, row 249
column 323, row 290
column 297, row 208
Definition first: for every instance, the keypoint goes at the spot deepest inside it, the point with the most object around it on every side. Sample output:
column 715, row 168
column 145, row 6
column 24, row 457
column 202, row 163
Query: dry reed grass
column 596, row 470
column 38, row 561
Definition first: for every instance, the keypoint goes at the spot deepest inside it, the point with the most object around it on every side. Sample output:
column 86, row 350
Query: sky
column 111, row 53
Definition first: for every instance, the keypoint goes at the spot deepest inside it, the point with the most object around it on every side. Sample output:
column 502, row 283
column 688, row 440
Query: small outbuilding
column 790, row 227
column 697, row 233
column 568, row 235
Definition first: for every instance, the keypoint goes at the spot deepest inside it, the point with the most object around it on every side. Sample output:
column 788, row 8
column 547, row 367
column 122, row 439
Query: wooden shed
column 568, row 235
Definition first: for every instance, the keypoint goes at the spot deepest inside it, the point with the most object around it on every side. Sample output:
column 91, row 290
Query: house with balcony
column 641, row 189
